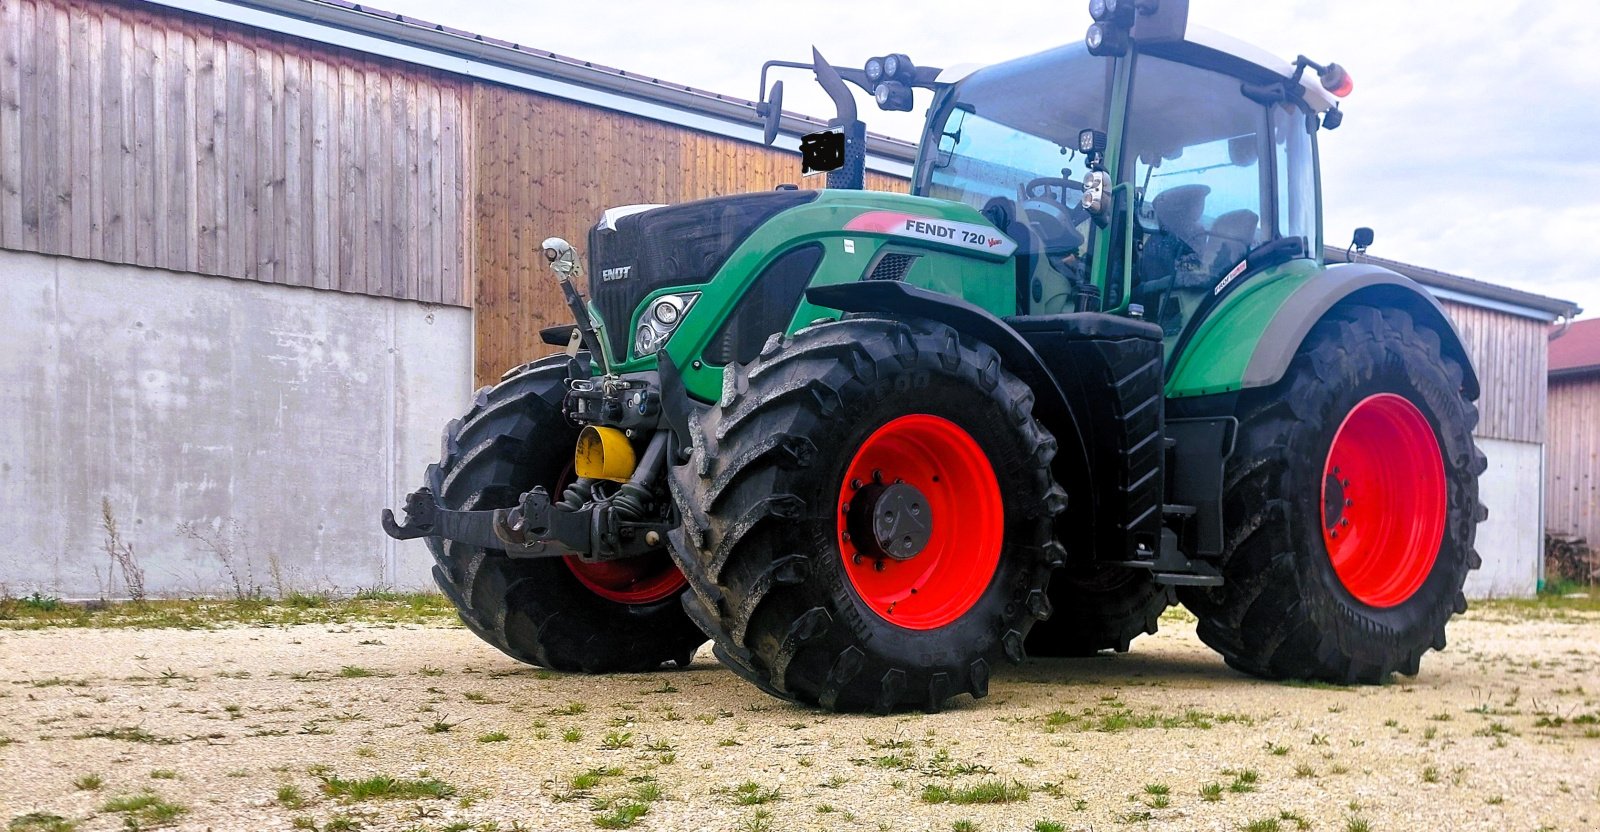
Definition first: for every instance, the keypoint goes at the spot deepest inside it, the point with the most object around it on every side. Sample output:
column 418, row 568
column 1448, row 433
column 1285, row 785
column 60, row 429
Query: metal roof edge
column 1467, row 290
column 463, row 53
column 1567, row 373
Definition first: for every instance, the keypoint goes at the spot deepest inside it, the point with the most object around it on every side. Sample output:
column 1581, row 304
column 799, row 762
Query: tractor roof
column 1217, row 42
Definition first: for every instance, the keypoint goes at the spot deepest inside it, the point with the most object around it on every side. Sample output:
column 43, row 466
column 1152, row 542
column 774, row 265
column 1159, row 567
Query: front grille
column 672, row 246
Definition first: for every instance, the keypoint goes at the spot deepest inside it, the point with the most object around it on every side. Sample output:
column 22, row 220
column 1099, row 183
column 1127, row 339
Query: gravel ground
column 1498, row 733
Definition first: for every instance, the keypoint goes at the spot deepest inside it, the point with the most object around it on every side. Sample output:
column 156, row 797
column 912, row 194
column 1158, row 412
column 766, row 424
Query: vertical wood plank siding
column 1511, row 355
column 136, row 135
column 548, row 167
column 1572, row 458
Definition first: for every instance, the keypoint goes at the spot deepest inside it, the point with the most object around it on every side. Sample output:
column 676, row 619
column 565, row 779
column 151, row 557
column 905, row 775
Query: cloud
column 1472, row 143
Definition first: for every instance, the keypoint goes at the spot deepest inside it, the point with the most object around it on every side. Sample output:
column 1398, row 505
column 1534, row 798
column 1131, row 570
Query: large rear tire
column 778, row 538
column 621, row 616
column 1351, row 506
column 1099, row 608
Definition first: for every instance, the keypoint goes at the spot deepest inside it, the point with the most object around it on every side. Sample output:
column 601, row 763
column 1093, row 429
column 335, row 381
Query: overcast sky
column 1471, row 143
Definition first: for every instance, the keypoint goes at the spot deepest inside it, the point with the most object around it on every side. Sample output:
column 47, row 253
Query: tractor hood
column 634, row 254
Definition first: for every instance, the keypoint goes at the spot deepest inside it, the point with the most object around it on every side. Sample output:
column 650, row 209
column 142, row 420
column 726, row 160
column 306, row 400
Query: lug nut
column 845, row 536
column 1344, row 522
column 877, row 476
column 877, row 565
column 856, row 484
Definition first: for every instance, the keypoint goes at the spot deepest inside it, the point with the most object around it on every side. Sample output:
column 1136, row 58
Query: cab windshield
column 1004, row 140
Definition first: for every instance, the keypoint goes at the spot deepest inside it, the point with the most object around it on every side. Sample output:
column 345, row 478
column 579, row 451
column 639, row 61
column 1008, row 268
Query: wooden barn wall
column 136, row 135
column 1511, row 355
column 548, row 167
column 1572, row 458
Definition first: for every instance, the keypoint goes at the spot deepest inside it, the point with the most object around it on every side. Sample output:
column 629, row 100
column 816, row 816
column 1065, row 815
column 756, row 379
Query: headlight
column 660, row 318
column 874, row 70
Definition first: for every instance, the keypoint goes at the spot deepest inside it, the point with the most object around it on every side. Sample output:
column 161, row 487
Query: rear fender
column 1249, row 342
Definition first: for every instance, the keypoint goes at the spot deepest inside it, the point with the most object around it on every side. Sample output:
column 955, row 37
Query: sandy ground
column 1497, row 733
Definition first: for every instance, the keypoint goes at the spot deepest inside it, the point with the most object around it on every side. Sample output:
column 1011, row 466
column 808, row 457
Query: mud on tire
column 536, row 610
column 1284, row 611
column 760, row 539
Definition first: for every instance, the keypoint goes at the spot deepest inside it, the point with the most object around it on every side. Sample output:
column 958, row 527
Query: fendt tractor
column 872, row 444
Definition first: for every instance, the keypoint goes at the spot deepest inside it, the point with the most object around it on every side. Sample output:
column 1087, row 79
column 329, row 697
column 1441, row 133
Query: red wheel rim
column 641, row 580
column 1383, row 500
column 966, row 522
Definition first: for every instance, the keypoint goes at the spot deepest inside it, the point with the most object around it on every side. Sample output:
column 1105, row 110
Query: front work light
column 893, row 95
column 1106, row 39
column 874, row 70
column 659, row 320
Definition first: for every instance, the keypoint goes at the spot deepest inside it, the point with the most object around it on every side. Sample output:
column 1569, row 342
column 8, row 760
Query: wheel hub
column 890, row 521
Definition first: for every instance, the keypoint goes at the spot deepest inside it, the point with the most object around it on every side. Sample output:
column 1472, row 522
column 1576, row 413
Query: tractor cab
column 1206, row 146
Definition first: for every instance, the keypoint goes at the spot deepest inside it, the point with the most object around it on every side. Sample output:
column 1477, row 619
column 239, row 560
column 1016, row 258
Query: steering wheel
column 1038, row 188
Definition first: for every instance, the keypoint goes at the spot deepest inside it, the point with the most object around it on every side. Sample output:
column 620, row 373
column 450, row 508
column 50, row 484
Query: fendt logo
column 618, row 273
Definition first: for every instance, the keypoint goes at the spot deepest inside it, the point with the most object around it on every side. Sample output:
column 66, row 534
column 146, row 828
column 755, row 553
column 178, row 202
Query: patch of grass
column 1048, row 826
column 616, row 740
column 391, row 608
column 1211, row 792
column 289, row 796
column 761, row 821
column 569, row 709
column 40, row 822
column 989, row 791
column 751, row 793
column 1277, row 750
column 1304, row 770
column 1291, row 817
column 144, row 810
column 163, row 774
column 591, row 778
column 622, row 816
column 125, row 734
column 1243, row 781
column 494, row 736
column 342, row 823
column 1357, row 825
column 571, row 735
column 353, row 671
column 439, row 726
column 89, row 782
column 1262, row 825
column 964, row 826
column 1430, row 774
column 382, row 786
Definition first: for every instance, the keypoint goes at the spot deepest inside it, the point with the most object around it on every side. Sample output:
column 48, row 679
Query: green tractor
column 872, row 444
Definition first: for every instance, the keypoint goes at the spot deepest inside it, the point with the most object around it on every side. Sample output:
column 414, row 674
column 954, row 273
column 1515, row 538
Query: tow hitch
column 590, row 521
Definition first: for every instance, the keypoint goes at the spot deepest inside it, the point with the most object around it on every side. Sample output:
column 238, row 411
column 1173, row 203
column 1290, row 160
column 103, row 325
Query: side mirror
column 1362, row 239
column 771, row 111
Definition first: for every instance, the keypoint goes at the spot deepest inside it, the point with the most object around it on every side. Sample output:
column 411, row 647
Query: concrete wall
column 271, row 422
column 1511, row 541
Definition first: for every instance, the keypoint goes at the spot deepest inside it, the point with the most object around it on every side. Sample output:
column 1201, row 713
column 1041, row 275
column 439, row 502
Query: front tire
column 800, row 592
column 1351, row 506
column 560, row 613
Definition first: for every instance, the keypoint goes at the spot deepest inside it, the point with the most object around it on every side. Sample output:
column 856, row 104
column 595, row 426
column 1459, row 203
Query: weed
column 623, row 816
column 89, row 782
column 494, row 736
column 1048, row 826
column 1291, row 817
column 1244, row 781
column 989, row 791
column 751, row 793
column 1211, row 792
column 163, row 774
column 1357, row 825
column 616, row 740
column 384, row 786
column 142, row 810
column 571, row 735
column 289, row 796
column 440, row 726
column 1304, row 770
column 40, row 822
column 303, row 822
column 569, row 709
column 1430, row 774
column 1262, row 825
column 351, row 671
column 1277, row 750
column 761, row 821
column 342, row 823
column 964, row 826
column 126, row 734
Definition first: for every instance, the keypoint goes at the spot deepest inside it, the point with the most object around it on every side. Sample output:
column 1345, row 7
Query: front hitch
column 601, row 530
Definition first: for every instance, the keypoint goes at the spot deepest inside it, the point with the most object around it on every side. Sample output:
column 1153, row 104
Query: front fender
column 1249, row 341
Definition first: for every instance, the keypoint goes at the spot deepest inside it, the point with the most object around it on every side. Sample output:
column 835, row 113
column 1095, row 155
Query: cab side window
column 1195, row 156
